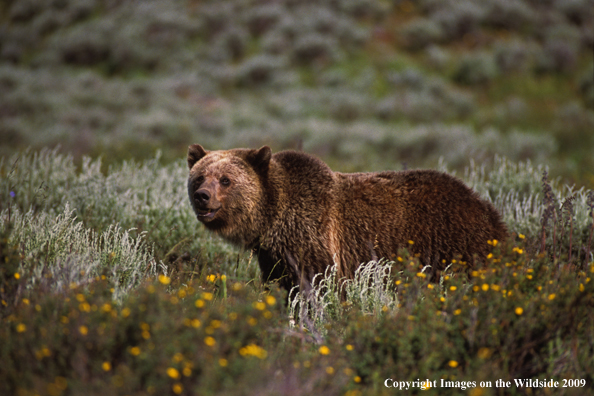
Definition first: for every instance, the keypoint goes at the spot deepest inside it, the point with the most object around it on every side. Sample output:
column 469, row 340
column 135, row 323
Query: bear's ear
column 195, row 154
column 260, row 159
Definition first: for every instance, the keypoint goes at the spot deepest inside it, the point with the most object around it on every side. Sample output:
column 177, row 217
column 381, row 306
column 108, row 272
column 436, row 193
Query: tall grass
column 54, row 205
column 370, row 291
column 61, row 253
column 516, row 189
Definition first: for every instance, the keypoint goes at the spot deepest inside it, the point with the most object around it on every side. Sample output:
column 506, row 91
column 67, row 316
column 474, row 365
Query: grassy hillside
column 110, row 286
column 367, row 84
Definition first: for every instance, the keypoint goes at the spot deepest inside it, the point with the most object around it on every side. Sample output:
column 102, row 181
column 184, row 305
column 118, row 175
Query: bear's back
column 437, row 212
column 303, row 175
column 299, row 164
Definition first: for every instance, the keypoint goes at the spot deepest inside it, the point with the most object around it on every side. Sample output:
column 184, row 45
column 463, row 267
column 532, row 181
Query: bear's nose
column 202, row 196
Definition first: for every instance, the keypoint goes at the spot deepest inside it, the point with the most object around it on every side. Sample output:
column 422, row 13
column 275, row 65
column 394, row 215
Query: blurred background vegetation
column 365, row 84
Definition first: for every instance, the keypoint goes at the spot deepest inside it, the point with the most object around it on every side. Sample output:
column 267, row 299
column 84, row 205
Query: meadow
column 109, row 285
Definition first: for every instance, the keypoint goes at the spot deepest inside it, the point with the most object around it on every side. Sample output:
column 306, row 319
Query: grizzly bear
column 300, row 217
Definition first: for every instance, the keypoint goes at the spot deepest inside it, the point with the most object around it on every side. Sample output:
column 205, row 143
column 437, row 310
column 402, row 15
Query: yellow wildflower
column 178, row 357
column 207, row 296
column 476, row 392
column 253, row 350
column 484, row 353
column 270, row 300
column 135, row 351
column 173, row 373
column 177, row 388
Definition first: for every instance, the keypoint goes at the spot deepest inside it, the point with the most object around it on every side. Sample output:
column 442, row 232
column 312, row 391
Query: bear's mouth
column 206, row 214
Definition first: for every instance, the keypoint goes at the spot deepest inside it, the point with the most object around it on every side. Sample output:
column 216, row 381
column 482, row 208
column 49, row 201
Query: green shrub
column 420, row 33
column 154, row 342
column 478, row 68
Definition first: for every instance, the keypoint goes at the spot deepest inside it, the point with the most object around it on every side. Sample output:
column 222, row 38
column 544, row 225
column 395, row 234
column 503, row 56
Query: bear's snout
column 206, row 203
column 202, row 196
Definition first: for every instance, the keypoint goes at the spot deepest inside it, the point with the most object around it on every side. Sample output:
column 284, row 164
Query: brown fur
column 301, row 217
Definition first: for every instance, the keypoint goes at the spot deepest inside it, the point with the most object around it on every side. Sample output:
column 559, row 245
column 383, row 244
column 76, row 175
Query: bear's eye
column 225, row 181
column 200, row 179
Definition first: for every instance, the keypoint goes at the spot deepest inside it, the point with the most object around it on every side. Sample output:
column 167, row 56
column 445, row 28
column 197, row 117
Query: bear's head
column 227, row 191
